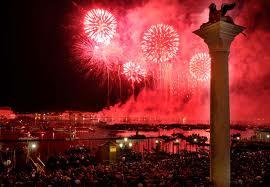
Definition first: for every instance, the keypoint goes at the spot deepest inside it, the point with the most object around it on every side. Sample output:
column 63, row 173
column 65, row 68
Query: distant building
column 64, row 116
column 107, row 151
column 78, row 116
column 262, row 135
column 7, row 113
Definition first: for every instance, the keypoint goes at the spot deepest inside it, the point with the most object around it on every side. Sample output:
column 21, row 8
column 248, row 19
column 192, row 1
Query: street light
column 130, row 144
column 121, row 145
column 176, row 143
column 125, row 139
column 33, row 146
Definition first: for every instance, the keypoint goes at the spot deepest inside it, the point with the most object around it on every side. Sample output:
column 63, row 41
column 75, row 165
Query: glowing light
column 157, row 141
column 121, row 145
column 125, row 139
column 33, row 146
column 199, row 66
column 160, row 43
column 195, row 139
column 130, row 144
column 268, row 135
column 238, row 138
column 134, row 72
column 100, row 25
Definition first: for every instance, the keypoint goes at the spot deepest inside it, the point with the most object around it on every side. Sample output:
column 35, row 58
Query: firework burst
column 95, row 61
column 134, row 72
column 160, row 43
column 100, row 26
column 199, row 66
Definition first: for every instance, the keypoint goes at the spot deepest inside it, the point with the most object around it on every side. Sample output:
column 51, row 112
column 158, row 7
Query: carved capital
column 218, row 36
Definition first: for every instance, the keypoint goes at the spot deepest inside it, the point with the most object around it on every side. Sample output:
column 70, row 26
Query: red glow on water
column 160, row 43
column 100, row 25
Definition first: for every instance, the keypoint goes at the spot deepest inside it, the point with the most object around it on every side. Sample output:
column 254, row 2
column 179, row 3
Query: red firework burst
column 134, row 72
column 95, row 61
column 160, row 43
column 199, row 66
column 100, row 26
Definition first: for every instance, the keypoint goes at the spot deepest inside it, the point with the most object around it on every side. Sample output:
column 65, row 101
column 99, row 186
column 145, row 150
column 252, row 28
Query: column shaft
column 220, row 120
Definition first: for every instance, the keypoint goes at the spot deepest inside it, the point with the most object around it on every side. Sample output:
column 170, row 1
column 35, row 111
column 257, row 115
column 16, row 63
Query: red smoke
column 178, row 96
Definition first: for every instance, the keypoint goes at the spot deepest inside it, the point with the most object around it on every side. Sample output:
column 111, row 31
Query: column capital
column 218, row 36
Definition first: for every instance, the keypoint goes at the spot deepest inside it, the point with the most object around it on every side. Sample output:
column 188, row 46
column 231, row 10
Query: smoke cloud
column 183, row 99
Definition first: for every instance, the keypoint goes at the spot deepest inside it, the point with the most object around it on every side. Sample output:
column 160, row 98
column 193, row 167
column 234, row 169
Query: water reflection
column 53, row 141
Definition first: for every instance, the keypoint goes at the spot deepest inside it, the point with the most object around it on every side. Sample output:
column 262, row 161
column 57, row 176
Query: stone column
column 218, row 36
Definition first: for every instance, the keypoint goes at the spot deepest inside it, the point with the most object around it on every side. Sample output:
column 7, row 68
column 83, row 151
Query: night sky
column 36, row 73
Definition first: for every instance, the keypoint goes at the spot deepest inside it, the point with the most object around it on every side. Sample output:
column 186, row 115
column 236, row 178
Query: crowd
column 250, row 168
column 80, row 167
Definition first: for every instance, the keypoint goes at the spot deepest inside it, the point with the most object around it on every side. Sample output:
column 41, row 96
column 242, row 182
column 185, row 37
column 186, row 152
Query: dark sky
column 35, row 71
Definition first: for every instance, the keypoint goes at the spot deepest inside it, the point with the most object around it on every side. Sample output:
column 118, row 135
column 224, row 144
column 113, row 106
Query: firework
column 199, row 66
column 160, row 43
column 100, row 26
column 134, row 72
column 95, row 61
